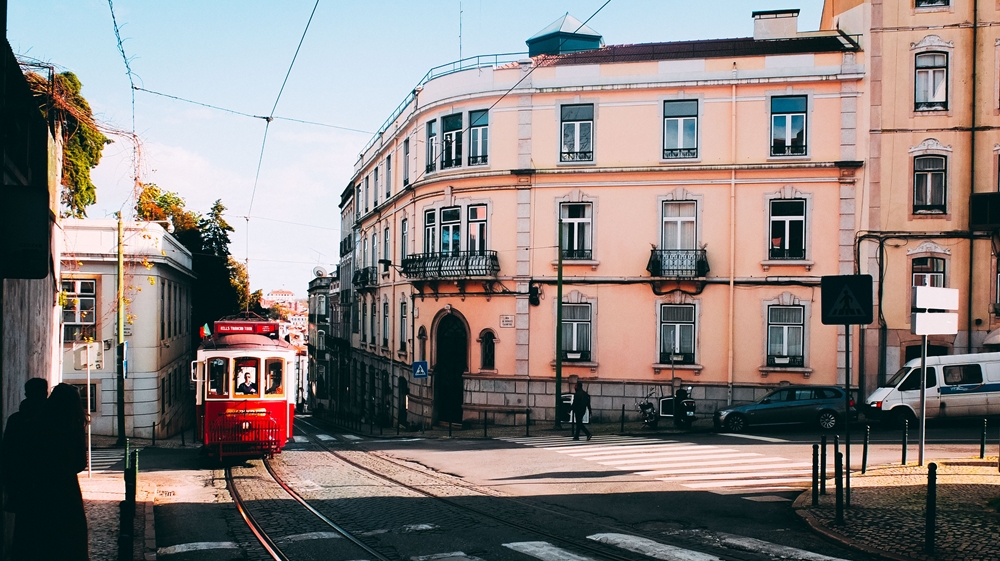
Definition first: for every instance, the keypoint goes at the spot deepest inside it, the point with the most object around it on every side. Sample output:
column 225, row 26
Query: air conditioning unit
column 984, row 212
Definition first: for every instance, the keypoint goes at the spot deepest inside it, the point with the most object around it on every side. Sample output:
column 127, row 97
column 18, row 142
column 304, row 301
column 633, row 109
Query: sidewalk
column 887, row 514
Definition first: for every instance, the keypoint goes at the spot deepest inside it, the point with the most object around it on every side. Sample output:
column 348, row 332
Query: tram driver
column 245, row 384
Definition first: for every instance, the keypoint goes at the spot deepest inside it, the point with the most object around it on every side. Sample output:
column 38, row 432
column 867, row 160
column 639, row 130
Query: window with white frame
column 79, row 312
column 367, row 189
column 388, row 176
column 402, row 327
column 451, row 230
column 785, row 336
column 432, row 139
column 929, row 184
column 676, row 334
column 679, row 226
column 477, row 228
column 577, row 230
column 479, row 137
column 386, row 252
column 577, row 133
column 451, row 143
column 788, row 229
column 680, row 129
column 404, row 233
column 931, row 82
column 385, row 324
column 928, row 271
column 430, row 231
column 788, row 125
column 375, row 187
column 374, row 319
column 576, row 332
column 406, row 162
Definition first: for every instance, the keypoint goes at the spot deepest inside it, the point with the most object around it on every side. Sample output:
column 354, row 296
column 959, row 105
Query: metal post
column 931, row 507
column 559, row 315
column 847, row 416
column 90, row 450
column 527, row 422
column 906, row 437
column 864, row 455
column 982, row 442
column 923, row 400
column 836, row 445
column 838, row 470
column 121, row 333
column 815, row 485
column 154, row 434
column 485, row 433
column 822, row 465
column 623, row 418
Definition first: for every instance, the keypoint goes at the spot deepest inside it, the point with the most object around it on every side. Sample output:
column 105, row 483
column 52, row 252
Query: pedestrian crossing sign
column 846, row 299
column 420, row 369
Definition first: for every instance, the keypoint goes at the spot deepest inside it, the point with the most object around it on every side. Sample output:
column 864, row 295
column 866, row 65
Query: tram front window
column 218, row 377
column 245, row 377
column 274, row 381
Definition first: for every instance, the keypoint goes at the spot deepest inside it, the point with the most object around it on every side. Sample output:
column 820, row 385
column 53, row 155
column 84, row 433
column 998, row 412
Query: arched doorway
column 450, row 363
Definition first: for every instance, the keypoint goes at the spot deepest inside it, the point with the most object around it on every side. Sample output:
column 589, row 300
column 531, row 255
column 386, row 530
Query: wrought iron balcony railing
column 779, row 360
column 791, row 150
column 792, row 253
column 576, row 356
column 365, row 276
column 678, row 358
column 451, row 162
column 676, row 153
column 578, row 254
column 678, row 263
column 477, row 160
column 587, row 156
column 457, row 264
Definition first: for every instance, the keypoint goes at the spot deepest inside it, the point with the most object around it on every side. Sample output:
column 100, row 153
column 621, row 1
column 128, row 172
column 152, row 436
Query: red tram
column 245, row 388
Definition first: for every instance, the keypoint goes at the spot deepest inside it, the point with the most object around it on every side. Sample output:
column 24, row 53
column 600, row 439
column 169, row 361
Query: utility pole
column 559, row 338
column 121, row 333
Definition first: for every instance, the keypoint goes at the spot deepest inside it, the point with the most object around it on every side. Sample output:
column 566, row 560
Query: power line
column 286, row 222
column 131, row 81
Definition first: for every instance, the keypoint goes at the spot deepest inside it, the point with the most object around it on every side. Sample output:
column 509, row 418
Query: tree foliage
column 83, row 141
column 215, row 231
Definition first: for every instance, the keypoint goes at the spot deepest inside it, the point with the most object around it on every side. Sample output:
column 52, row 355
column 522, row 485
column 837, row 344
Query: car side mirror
column 766, row 400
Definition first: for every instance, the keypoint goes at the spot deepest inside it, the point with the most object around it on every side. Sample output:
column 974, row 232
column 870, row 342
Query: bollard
column 623, row 417
column 449, row 429
column 931, row 507
column 126, row 453
column 182, row 438
column 982, row 442
column 815, row 488
column 864, row 453
column 397, row 428
column 906, row 436
column 527, row 422
column 838, row 474
column 836, row 445
column 822, row 465
column 485, row 430
column 154, row 434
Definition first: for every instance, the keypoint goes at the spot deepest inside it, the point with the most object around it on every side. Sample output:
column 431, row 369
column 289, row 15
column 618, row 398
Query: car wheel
column 903, row 417
column 736, row 423
column 827, row 420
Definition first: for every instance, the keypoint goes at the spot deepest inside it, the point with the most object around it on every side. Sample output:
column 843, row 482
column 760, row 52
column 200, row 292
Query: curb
column 831, row 535
column 149, row 537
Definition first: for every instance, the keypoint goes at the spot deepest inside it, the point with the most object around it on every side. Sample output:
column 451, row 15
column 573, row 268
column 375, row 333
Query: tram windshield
column 245, row 377
column 218, row 377
column 274, row 381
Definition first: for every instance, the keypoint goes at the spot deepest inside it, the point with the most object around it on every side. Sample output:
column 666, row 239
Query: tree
column 83, row 141
column 215, row 231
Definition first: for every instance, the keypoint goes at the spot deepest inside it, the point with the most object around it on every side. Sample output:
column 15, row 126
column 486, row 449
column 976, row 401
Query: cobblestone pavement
column 888, row 506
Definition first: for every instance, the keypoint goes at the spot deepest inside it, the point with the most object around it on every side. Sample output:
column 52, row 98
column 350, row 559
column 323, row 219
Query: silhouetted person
column 581, row 404
column 58, row 452
column 16, row 442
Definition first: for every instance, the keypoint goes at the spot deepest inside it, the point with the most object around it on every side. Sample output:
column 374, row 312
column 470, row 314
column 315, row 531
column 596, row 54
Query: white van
column 957, row 386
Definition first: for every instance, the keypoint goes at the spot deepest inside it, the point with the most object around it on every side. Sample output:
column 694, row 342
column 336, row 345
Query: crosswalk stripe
column 663, row 457
column 723, row 469
column 626, row 452
column 772, row 549
column 325, row 437
column 756, row 459
column 545, row 551
column 650, row 548
column 747, row 475
column 350, row 437
column 299, row 439
column 443, row 556
column 716, row 484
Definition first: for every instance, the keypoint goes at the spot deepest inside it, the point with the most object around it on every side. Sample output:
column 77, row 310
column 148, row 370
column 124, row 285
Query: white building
column 158, row 276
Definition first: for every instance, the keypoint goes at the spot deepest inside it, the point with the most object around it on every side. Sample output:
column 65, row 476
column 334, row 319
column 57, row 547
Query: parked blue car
column 822, row 406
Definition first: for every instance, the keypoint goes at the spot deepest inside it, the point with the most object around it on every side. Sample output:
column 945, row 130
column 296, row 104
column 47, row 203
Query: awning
column 992, row 338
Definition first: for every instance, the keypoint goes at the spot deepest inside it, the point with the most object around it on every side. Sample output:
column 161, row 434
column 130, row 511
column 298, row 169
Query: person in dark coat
column 16, row 441
column 58, row 452
column 581, row 405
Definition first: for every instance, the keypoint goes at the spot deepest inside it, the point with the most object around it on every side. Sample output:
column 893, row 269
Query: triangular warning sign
column 846, row 305
column 420, row 370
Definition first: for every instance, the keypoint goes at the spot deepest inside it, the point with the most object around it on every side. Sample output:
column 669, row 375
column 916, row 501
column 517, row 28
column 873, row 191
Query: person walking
column 16, row 443
column 581, row 405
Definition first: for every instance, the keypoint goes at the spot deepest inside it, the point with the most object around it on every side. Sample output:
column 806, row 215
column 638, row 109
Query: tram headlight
column 245, row 425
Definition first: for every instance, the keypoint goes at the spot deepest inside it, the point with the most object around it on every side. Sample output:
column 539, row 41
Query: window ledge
column 930, row 112
column 680, row 160
column 696, row 368
column 768, row 263
column 577, row 364
column 931, row 9
column 803, row 158
column 493, row 371
column 765, row 370
column 577, row 163
column 931, row 215
column 578, row 263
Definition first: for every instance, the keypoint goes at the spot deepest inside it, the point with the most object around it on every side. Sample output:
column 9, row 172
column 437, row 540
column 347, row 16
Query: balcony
column 676, row 358
column 447, row 163
column 577, row 254
column 792, row 361
column 584, row 156
column 458, row 264
column 679, row 153
column 678, row 263
column 780, row 149
column 477, row 160
column 365, row 276
column 786, row 254
column 576, row 356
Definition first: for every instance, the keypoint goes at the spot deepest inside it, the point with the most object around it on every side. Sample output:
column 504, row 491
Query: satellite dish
column 319, row 272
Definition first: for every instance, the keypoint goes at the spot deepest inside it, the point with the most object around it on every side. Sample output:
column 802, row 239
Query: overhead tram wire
column 131, row 81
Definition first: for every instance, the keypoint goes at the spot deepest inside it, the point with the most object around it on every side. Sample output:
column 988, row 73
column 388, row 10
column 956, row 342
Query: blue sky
column 356, row 64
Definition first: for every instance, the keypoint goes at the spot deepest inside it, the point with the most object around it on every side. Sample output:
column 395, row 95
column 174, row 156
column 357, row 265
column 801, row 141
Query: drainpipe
column 972, row 170
column 732, row 240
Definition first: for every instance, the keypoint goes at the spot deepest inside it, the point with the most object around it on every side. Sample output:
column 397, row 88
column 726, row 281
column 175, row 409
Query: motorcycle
column 647, row 412
column 680, row 407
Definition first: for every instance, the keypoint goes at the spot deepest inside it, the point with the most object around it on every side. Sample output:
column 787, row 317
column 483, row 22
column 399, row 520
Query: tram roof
column 245, row 341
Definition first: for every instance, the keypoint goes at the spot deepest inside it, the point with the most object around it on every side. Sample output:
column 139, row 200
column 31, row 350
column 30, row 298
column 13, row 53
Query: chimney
column 775, row 24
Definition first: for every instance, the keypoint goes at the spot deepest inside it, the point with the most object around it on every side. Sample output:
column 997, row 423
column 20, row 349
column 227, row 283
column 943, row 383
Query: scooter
column 647, row 412
column 680, row 407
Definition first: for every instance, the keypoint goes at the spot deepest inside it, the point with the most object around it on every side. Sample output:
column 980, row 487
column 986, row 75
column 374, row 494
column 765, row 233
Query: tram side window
column 275, row 376
column 245, row 376
column 218, row 377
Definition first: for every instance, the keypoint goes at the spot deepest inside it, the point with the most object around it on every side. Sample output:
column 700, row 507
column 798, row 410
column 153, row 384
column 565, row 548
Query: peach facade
column 707, row 248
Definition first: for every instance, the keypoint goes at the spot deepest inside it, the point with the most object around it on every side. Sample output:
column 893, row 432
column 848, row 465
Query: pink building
column 699, row 189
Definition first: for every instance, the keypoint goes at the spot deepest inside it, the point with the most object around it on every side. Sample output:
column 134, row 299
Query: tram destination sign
column 251, row 327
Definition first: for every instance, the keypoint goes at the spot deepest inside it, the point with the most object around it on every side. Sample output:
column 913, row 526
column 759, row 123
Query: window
column 788, row 229
column 321, row 305
column 928, row 271
column 274, row 383
column 576, row 332
column 931, row 82
column 929, row 185
column 676, row 334
column 785, row 325
column 477, row 229
column 576, row 230
column 364, row 253
column 403, row 237
column 388, row 176
column 487, row 351
column 479, row 137
column 451, row 230
column 245, row 376
column 83, row 397
column 321, row 340
column 374, row 325
column 680, row 129
column 431, row 146
column 577, row 133
column 451, row 148
column 912, row 381
column 931, row 3
column 386, row 253
column 430, row 231
column 679, row 225
column 79, row 313
column 385, row 324
column 357, row 203
column 367, row 185
column 375, row 187
column 374, row 254
column 963, row 374
column 406, row 162
column 788, row 126
column 402, row 327
column 218, row 377
column 364, row 322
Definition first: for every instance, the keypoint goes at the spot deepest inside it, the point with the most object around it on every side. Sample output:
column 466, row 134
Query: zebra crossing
column 108, row 459
column 695, row 466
